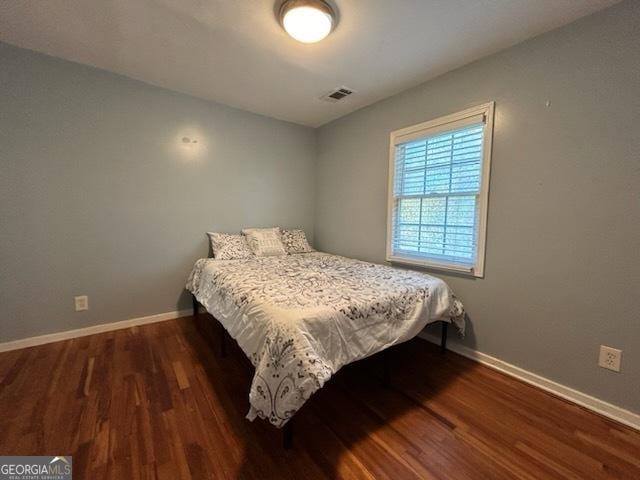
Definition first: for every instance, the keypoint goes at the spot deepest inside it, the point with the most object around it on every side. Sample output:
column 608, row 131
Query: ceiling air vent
column 337, row 94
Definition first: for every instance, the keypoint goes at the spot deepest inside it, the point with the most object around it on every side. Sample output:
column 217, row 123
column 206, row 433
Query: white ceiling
column 235, row 52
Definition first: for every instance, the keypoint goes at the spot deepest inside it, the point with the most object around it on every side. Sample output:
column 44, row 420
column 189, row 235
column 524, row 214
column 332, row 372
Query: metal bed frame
column 287, row 430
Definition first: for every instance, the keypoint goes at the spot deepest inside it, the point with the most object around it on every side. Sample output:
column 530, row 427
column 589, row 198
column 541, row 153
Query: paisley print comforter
column 300, row 318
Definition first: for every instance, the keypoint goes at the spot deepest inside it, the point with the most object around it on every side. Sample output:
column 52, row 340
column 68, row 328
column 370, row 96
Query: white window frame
column 429, row 128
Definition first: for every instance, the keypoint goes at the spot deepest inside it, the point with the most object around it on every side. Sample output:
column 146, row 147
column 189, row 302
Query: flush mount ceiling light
column 308, row 21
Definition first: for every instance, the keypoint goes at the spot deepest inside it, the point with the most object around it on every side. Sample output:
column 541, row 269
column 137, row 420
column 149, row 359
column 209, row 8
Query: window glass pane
column 465, row 177
column 461, row 211
column 413, row 182
column 407, row 238
column 432, row 239
column 434, row 210
column 437, row 179
column 409, row 210
column 459, row 242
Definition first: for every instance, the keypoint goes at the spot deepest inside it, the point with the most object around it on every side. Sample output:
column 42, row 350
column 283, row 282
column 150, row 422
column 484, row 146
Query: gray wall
column 99, row 197
column 563, row 246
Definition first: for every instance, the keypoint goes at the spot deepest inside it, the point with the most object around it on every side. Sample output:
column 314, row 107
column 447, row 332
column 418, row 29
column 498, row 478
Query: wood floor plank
column 158, row 402
column 181, row 377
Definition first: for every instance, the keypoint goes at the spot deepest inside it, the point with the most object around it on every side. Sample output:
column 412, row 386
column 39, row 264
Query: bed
column 300, row 318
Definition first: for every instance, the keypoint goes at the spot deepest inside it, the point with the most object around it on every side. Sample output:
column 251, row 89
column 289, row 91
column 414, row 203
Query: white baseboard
column 606, row 409
column 82, row 332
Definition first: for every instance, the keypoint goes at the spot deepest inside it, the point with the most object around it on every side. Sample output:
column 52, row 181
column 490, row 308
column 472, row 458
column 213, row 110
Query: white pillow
column 229, row 247
column 265, row 242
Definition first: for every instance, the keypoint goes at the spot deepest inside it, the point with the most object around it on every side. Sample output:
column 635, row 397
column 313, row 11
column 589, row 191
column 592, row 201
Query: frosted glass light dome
column 308, row 21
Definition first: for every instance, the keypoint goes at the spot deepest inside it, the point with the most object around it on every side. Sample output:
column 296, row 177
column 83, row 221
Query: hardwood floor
column 159, row 402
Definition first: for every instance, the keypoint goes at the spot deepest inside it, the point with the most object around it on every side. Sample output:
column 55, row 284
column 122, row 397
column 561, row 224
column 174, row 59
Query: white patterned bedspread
column 300, row 318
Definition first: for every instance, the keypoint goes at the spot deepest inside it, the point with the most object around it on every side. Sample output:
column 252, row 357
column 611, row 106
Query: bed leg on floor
column 287, row 435
column 223, row 342
column 194, row 303
column 443, row 340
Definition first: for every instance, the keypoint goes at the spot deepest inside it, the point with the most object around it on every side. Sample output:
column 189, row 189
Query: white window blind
column 438, row 193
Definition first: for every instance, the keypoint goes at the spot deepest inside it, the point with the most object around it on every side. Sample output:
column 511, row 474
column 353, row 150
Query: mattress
column 300, row 318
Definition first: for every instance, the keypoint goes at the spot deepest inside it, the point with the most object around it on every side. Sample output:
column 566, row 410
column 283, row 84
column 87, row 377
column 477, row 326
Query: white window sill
column 434, row 265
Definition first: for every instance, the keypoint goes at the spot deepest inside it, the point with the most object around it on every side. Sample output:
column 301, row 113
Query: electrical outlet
column 610, row 358
column 81, row 302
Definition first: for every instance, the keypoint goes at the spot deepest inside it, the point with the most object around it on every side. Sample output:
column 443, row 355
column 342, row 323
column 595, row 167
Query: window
column 438, row 191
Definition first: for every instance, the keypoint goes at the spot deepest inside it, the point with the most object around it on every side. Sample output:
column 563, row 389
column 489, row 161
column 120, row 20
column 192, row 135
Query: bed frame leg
column 195, row 305
column 287, row 435
column 443, row 340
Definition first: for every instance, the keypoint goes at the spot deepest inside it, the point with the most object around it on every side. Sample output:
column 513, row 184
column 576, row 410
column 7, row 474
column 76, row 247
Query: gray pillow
column 229, row 247
column 295, row 241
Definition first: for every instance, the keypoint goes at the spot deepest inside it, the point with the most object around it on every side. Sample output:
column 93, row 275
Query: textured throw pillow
column 265, row 242
column 295, row 241
column 229, row 247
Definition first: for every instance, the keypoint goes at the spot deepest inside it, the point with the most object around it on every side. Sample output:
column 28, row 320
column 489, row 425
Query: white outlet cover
column 81, row 303
column 610, row 358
